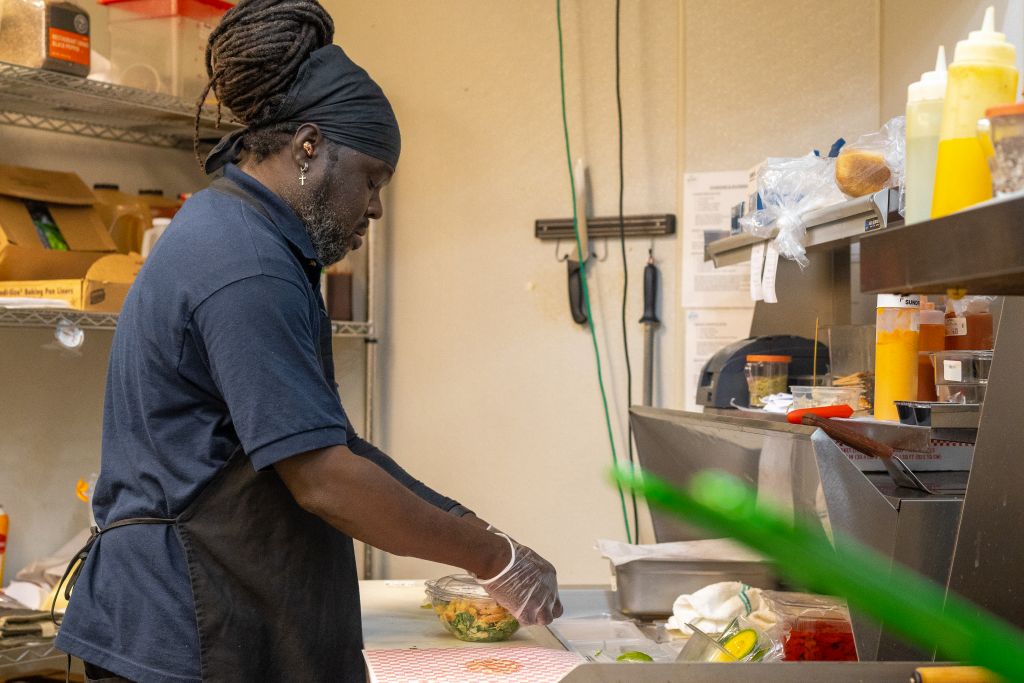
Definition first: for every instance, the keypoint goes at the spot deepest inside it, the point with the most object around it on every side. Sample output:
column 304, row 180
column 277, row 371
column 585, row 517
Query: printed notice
column 707, row 331
column 708, row 200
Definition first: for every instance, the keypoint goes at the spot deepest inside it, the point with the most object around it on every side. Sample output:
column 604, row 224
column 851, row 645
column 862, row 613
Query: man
column 232, row 481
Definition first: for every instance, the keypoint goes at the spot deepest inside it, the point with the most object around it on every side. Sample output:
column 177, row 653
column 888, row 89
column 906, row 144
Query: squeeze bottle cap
column 932, row 85
column 987, row 45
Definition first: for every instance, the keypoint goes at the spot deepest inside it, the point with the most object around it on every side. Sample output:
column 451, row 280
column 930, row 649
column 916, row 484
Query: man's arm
column 365, row 449
column 357, row 497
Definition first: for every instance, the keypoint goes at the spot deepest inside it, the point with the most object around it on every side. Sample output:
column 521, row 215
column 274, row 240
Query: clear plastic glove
column 528, row 587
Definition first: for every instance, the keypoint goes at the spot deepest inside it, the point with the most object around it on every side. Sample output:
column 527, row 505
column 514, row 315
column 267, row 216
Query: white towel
column 713, row 607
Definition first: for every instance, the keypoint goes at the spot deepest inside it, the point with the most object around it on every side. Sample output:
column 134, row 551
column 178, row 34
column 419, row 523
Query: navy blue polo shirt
column 216, row 347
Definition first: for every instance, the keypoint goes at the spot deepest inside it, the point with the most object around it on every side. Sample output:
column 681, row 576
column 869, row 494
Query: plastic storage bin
column 160, row 45
column 45, row 35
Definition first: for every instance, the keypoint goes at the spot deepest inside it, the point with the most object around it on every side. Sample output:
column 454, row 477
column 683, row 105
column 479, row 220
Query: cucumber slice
column 741, row 644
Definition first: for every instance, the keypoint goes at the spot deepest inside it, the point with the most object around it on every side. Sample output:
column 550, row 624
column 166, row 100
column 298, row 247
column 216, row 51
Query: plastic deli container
column 766, row 375
column 1003, row 141
column 817, row 397
column 160, row 45
column 467, row 612
column 816, row 628
column 897, row 330
column 962, row 376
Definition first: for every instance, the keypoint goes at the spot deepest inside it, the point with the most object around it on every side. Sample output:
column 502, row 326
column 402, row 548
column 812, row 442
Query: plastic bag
column 789, row 189
column 874, row 162
column 812, row 627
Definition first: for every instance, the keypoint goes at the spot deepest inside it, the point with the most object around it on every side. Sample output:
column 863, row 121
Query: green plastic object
column 906, row 602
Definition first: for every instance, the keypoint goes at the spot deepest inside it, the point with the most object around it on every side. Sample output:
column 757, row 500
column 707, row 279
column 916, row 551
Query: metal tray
column 648, row 588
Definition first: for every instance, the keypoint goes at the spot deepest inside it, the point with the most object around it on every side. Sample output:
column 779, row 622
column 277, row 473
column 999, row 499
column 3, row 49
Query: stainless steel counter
column 393, row 618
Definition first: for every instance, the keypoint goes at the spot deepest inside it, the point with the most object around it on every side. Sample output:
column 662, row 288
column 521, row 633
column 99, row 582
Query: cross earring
column 302, row 174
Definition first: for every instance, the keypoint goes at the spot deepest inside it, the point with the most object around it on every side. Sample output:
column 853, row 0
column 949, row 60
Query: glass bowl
column 467, row 612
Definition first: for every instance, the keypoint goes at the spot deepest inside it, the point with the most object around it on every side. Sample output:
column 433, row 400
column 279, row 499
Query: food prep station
column 394, row 620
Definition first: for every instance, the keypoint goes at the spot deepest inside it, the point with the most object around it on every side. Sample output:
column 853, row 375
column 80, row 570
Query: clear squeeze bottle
column 983, row 74
column 925, row 100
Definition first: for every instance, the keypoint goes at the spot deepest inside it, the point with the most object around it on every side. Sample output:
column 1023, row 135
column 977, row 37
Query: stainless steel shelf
column 980, row 250
column 831, row 226
column 49, row 317
column 47, row 100
column 31, row 659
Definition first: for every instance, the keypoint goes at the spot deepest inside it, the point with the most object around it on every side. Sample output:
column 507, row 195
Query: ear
column 306, row 144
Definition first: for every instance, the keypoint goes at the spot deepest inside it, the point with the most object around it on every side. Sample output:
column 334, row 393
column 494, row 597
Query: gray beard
column 331, row 240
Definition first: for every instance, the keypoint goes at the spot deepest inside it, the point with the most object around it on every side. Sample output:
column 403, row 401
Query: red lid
column 200, row 10
column 1015, row 109
column 769, row 359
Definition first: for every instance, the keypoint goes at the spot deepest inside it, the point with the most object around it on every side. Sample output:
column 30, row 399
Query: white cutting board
column 470, row 665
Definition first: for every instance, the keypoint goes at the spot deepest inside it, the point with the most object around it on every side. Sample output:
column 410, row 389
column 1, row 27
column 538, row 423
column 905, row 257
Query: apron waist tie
column 74, row 569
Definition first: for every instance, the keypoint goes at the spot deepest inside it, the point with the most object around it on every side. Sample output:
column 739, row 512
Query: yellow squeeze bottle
column 925, row 100
column 983, row 74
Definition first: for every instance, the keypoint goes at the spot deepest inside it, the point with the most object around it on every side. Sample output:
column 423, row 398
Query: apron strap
column 74, row 569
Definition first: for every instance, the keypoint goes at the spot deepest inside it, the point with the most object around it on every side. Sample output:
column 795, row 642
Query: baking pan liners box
column 83, row 269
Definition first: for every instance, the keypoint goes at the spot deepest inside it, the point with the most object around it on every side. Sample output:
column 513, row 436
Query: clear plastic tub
column 962, row 393
column 703, row 648
column 467, row 612
column 766, row 375
column 817, row 397
column 961, row 367
column 160, row 45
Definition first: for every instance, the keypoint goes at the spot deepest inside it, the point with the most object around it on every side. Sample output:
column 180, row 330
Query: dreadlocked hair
column 252, row 58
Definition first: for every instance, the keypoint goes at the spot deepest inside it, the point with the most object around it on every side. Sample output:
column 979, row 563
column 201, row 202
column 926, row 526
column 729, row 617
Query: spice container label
column 67, row 35
column 952, row 370
column 956, row 327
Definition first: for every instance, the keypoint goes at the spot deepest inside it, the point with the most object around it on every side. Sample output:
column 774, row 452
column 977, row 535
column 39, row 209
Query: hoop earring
column 302, row 173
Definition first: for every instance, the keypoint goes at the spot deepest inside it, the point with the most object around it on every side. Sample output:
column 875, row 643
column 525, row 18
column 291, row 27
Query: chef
column 232, row 481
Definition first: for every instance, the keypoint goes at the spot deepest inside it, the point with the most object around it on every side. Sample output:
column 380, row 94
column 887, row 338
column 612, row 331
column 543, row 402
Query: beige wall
column 777, row 78
column 913, row 29
column 489, row 389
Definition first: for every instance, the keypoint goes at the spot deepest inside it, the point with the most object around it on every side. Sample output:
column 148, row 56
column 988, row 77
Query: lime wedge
column 634, row 656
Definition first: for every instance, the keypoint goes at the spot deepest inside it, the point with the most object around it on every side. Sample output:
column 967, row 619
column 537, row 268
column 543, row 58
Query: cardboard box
column 88, row 274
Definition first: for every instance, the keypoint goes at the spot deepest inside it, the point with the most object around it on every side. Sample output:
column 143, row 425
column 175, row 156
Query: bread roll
column 861, row 172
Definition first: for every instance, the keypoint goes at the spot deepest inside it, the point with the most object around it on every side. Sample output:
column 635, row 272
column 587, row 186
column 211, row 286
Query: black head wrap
column 338, row 95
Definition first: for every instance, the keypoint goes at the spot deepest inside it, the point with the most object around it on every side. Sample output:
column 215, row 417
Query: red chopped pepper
column 815, row 640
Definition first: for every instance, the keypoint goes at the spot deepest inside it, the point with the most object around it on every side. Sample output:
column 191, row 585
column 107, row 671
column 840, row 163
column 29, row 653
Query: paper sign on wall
column 707, row 331
column 708, row 199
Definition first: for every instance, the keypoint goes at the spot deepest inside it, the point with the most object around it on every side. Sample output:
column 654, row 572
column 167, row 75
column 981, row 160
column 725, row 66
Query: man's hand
column 528, row 587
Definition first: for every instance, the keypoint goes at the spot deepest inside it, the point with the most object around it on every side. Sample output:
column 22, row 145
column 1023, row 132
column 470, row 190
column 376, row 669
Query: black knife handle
column 650, row 295
column 576, row 304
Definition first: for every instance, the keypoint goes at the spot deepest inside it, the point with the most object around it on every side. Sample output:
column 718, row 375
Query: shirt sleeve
column 260, row 340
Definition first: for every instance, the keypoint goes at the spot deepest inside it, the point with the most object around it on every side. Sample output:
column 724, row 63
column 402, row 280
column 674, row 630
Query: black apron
column 275, row 587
